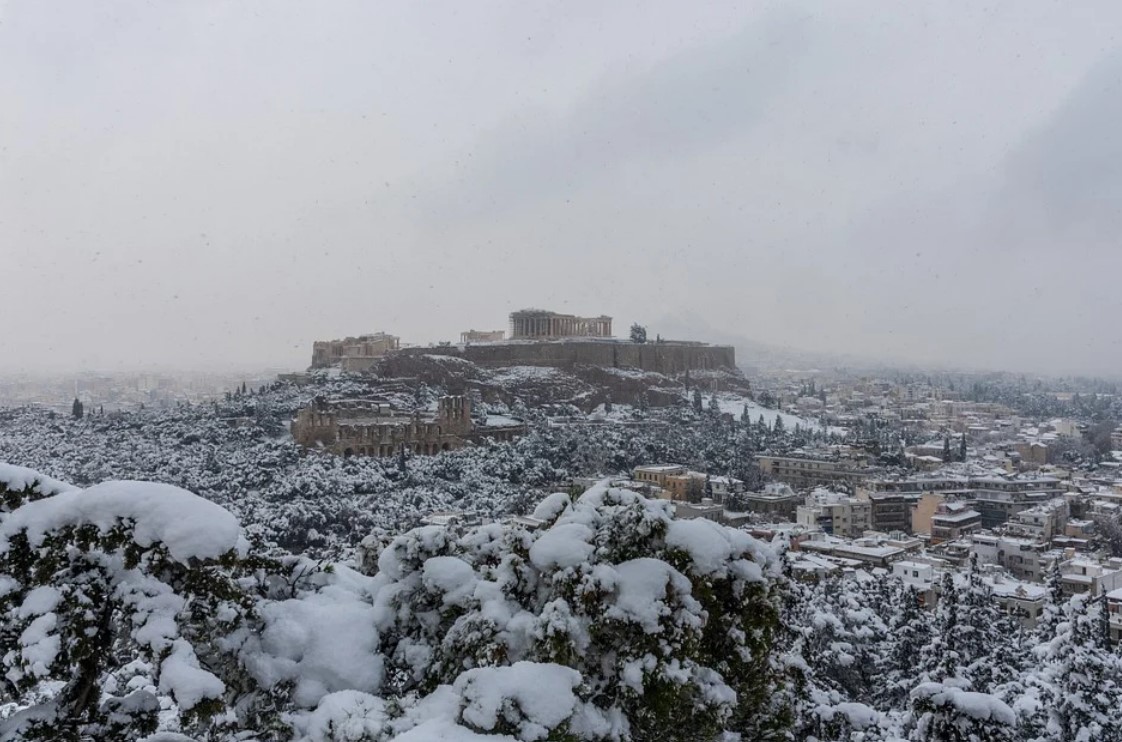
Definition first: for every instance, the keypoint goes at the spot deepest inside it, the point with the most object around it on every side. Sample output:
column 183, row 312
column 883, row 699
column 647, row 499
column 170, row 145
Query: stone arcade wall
column 665, row 358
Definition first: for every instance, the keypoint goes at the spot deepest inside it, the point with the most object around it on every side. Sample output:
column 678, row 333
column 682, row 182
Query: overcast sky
column 202, row 184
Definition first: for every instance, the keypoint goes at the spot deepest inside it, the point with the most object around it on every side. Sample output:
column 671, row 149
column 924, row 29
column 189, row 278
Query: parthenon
column 539, row 323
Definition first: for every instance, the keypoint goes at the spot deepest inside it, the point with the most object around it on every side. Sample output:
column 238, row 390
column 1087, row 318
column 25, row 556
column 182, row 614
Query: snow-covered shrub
column 92, row 581
column 668, row 624
column 132, row 607
column 945, row 713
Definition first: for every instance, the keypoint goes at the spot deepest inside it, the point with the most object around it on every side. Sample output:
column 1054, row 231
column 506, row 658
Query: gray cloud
column 690, row 102
column 209, row 184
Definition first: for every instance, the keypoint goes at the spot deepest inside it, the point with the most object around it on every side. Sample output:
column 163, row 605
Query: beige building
column 370, row 427
column 1033, row 453
column 541, row 324
column 805, row 472
column 482, row 336
column 670, row 479
column 776, row 502
column 952, row 521
column 676, row 482
column 374, row 428
column 353, row 353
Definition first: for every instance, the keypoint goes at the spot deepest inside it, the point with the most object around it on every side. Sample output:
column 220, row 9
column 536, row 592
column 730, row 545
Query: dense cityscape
column 895, row 515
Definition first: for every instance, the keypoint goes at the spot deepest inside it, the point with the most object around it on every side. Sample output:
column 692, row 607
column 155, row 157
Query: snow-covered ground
column 734, row 405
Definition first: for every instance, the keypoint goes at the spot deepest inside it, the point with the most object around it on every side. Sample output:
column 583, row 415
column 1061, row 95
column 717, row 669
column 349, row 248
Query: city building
column 776, row 502
column 536, row 324
column 998, row 499
column 928, row 504
column 954, row 520
column 1114, row 614
column 666, row 480
column 867, row 552
column 1024, row 558
column 808, row 472
column 1081, row 575
column 676, row 482
column 834, row 513
column 705, row 509
column 1042, row 522
column 1022, row 600
column 890, row 511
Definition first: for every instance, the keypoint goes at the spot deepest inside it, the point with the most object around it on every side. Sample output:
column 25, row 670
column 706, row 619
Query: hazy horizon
column 216, row 185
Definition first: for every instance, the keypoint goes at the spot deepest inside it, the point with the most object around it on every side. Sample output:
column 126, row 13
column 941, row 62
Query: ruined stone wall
column 663, row 358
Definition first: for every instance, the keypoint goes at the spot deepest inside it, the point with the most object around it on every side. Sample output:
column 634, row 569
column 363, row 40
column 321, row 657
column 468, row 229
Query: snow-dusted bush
column 92, row 580
column 129, row 607
column 945, row 713
column 668, row 624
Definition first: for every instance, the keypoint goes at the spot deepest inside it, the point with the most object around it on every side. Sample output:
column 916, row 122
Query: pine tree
column 1085, row 675
column 698, row 404
column 1053, row 610
column 946, row 448
column 940, row 660
column 909, row 632
column 945, row 713
column 962, row 448
column 76, row 409
column 987, row 642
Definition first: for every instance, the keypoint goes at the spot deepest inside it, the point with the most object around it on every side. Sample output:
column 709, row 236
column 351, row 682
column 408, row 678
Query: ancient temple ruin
column 374, row 427
column 539, row 324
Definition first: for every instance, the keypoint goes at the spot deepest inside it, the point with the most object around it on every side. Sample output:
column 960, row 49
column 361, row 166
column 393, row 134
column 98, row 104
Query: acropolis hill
column 538, row 338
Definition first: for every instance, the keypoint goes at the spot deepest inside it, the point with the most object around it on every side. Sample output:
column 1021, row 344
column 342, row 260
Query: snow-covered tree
column 941, row 659
column 96, row 580
column 668, row 623
column 1084, row 675
column 945, row 713
column 908, row 633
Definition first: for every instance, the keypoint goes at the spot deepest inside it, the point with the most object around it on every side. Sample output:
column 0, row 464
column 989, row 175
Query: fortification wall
column 663, row 358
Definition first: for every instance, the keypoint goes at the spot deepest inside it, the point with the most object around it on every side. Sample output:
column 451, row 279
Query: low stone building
column 482, row 336
column 372, row 427
column 803, row 472
column 775, row 501
column 353, row 353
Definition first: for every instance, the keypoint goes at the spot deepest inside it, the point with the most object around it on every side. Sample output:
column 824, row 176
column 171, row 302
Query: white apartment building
column 835, row 513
